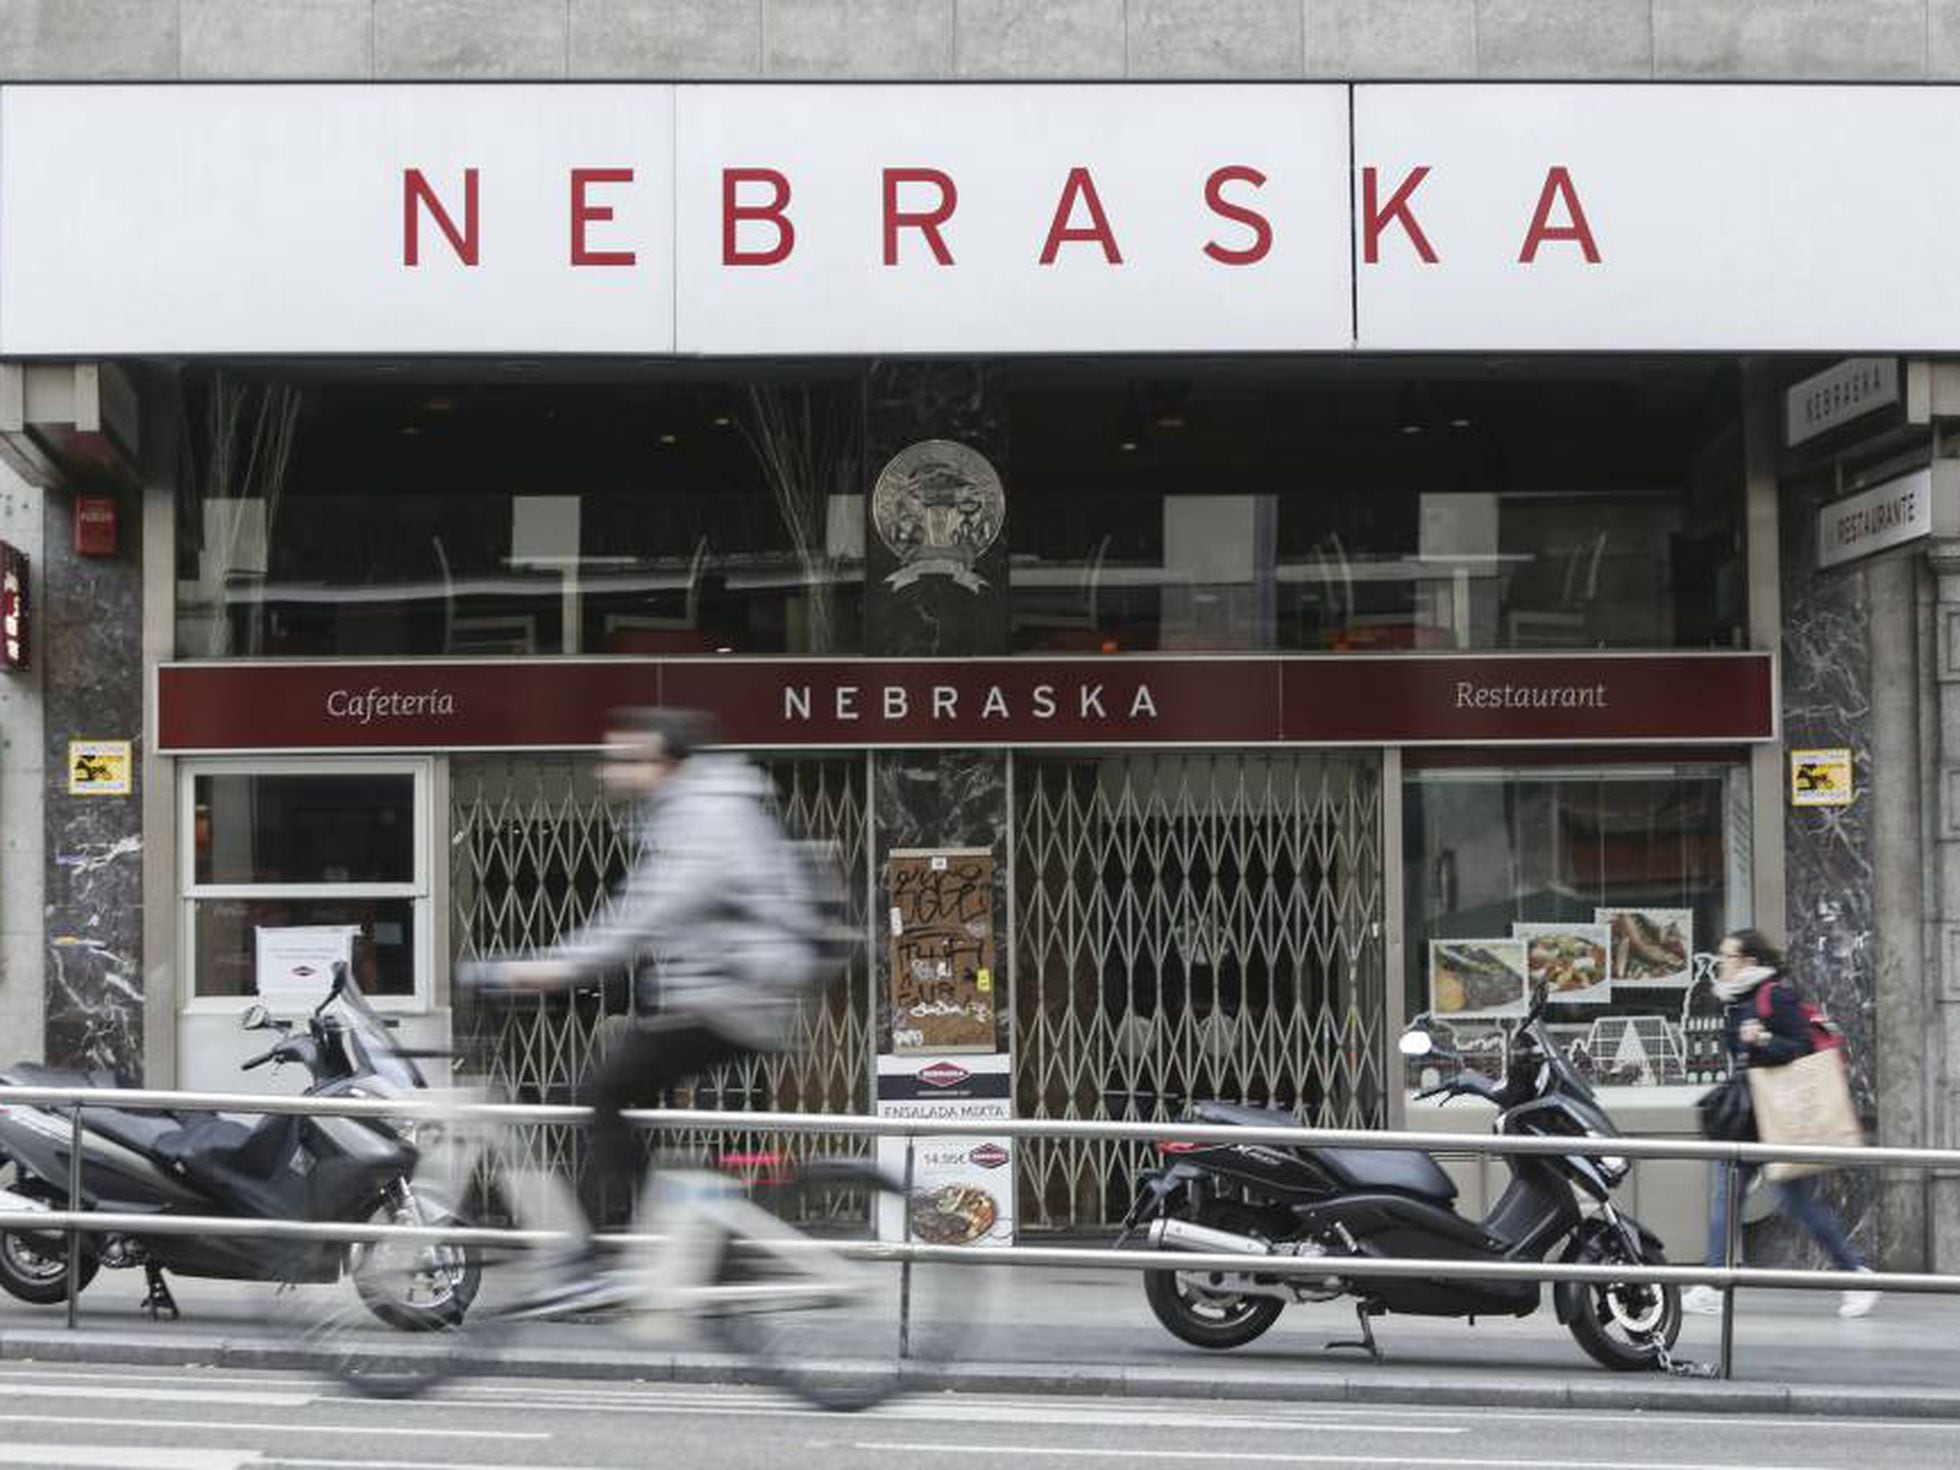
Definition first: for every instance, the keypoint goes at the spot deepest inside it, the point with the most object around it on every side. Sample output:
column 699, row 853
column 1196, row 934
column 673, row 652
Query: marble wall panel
column 1829, row 878
column 92, row 634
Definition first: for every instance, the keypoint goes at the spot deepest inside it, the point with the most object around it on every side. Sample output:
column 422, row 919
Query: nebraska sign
column 765, row 220
column 1347, row 699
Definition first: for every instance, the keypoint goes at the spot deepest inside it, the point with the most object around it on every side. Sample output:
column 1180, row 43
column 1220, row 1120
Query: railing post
column 1731, row 1248
column 74, row 1232
column 905, row 1266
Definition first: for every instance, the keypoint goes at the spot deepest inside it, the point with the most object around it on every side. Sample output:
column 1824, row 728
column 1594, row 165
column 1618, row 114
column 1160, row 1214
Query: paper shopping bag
column 1807, row 1101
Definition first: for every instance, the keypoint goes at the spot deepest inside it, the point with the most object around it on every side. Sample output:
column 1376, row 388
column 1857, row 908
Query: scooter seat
column 1242, row 1116
column 1402, row 1170
column 140, row 1131
column 210, row 1148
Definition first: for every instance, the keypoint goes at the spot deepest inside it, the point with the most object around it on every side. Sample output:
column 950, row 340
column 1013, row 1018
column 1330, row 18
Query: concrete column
column 23, row 774
column 1907, row 1054
column 1762, row 552
column 1941, row 944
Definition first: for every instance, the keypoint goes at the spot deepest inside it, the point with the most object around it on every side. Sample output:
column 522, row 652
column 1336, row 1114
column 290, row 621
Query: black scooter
column 282, row 1167
column 1326, row 1203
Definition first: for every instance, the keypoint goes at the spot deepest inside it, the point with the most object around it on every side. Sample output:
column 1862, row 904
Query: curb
column 1644, row 1394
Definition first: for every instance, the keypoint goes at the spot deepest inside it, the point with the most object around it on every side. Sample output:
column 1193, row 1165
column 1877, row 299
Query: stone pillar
column 941, row 601
column 1941, row 1017
column 92, row 672
column 1829, row 910
column 23, row 780
column 1907, row 1057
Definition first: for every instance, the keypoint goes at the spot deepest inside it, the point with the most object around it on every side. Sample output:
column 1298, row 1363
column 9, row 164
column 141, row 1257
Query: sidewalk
column 1066, row 1331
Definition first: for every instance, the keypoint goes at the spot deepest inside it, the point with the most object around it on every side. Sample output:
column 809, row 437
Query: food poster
column 1569, row 960
column 943, row 989
column 1650, row 946
column 1477, row 977
column 962, row 1187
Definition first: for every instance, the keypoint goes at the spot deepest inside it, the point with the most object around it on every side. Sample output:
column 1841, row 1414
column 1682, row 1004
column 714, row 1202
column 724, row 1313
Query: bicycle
column 791, row 1304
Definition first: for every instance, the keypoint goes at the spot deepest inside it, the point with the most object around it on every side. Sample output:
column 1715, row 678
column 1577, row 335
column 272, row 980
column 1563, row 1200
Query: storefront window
column 351, row 513
column 1604, row 884
column 1333, row 506
column 325, row 857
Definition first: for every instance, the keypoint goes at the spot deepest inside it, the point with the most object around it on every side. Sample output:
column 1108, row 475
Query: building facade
column 1223, row 512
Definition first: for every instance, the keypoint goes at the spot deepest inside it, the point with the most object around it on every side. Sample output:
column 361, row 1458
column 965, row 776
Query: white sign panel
column 294, row 964
column 1655, row 217
column 962, row 1187
column 1012, row 219
column 336, row 219
column 1892, row 514
column 1838, row 395
column 659, row 219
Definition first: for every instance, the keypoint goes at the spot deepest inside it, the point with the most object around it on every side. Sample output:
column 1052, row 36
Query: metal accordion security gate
column 1191, row 926
column 1183, row 925
column 536, row 847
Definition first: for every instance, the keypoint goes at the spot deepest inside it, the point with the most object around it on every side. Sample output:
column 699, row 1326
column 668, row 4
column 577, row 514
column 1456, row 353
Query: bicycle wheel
column 346, row 1344
column 836, row 1350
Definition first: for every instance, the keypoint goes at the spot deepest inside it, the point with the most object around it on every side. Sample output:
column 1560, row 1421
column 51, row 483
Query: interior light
column 722, row 421
column 1459, row 423
column 670, row 438
column 724, row 649
column 1127, row 446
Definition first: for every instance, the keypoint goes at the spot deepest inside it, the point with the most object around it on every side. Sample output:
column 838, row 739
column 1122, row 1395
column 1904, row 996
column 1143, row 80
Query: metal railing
column 1728, row 1277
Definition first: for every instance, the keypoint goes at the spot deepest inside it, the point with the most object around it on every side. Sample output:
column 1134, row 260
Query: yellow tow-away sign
column 98, row 768
column 1820, row 777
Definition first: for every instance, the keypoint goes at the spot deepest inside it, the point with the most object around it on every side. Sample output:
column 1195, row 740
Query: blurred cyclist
column 708, row 909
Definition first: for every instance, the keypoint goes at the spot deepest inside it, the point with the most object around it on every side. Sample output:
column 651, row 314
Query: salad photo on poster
column 1570, row 961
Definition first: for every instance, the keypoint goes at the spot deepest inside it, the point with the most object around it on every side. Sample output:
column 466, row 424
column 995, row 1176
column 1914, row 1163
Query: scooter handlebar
column 261, row 1060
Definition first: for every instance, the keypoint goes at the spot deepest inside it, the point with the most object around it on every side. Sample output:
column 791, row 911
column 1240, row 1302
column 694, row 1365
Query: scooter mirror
column 1416, row 1044
column 256, row 1018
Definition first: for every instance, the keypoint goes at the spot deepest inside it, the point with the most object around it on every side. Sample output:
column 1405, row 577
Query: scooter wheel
column 1205, row 1319
column 37, row 1276
column 1625, row 1326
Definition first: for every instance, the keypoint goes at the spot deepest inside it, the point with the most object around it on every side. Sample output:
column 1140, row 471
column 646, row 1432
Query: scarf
column 1742, row 982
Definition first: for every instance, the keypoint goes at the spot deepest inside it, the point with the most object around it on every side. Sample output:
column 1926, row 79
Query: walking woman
column 1745, row 965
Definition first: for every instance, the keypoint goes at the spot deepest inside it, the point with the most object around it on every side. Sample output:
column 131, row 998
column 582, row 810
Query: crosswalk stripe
column 123, row 1457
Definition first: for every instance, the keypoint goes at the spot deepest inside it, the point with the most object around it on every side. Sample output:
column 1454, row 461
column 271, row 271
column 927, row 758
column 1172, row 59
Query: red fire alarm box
column 95, row 525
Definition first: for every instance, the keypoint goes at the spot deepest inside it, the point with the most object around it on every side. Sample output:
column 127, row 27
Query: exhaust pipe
column 1182, row 1235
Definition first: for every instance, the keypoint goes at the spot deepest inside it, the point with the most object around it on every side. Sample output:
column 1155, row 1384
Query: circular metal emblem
column 938, row 506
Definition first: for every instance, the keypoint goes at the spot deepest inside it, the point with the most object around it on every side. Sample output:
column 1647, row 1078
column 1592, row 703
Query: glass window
column 344, row 511
column 304, row 829
column 305, row 844
column 1328, row 506
column 1610, row 885
column 226, row 941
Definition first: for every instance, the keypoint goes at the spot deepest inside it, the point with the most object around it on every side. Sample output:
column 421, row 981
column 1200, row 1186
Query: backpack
column 812, row 906
column 1824, row 1032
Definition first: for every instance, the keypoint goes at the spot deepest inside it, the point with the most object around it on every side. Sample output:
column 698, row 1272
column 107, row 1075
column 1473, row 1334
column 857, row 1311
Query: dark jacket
column 1789, row 1028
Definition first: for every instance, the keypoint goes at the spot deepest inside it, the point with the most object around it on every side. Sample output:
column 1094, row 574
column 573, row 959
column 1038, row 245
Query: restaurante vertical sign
column 13, row 608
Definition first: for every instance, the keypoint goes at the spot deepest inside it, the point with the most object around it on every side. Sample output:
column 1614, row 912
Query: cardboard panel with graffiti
column 943, row 992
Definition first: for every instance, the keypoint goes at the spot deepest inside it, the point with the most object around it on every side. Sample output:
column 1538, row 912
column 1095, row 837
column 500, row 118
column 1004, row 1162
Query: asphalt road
column 203, row 1419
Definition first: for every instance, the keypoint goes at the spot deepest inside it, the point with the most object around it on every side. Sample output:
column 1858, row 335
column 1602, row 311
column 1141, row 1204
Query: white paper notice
column 295, row 965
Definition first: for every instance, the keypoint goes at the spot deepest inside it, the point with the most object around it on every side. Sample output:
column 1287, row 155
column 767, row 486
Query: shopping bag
column 1727, row 1113
column 1806, row 1101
